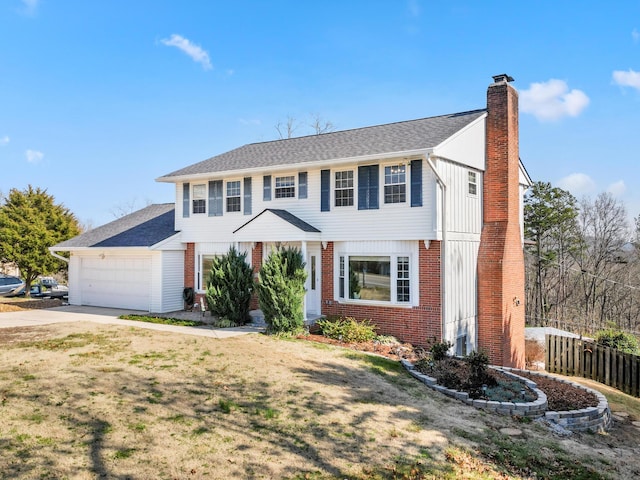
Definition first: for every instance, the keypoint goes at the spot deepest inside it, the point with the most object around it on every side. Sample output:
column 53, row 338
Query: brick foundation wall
column 501, row 260
column 420, row 325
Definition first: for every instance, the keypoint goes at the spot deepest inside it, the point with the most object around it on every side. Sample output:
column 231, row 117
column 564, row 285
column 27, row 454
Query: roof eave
column 291, row 166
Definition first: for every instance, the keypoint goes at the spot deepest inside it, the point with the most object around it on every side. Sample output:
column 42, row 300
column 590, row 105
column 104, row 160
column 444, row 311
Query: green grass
column 161, row 320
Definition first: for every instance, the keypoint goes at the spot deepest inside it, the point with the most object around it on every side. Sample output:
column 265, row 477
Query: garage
column 117, row 282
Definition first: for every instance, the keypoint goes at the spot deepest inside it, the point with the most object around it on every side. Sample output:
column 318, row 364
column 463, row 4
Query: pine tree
column 30, row 223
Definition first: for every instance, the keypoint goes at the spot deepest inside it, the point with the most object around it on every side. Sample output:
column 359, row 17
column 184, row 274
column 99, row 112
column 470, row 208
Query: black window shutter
column 325, row 190
column 368, row 178
column 185, row 200
column 247, row 195
column 215, row 198
column 416, row 183
column 266, row 188
column 302, row 185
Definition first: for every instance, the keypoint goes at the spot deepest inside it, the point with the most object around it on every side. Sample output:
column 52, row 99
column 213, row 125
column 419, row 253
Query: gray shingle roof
column 380, row 139
column 143, row 228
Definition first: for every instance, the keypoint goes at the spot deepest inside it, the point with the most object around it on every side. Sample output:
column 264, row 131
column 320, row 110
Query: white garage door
column 118, row 282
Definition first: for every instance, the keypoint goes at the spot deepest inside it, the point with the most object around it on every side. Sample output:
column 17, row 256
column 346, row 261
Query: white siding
column 389, row 222
column 461, row 291
column 467, row 146
column 172, row 281
column 464, row 211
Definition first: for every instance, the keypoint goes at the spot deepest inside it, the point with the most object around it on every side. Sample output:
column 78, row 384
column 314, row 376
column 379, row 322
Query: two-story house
column 416, row 225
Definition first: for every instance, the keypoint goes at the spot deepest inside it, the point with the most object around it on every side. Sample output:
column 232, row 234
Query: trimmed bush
column 229, row 287
column 625, row 342
column 281, row 291
column 348, row 330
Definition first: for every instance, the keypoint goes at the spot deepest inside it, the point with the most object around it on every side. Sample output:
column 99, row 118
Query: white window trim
column 296, row 187
column 354, row 172
column 413, row 279
column 383, row 183
column 204, row 198
column 469, row 183
column 225, row 197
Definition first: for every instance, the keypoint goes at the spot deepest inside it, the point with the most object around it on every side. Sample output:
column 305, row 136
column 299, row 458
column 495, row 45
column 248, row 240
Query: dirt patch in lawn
column 89, row 401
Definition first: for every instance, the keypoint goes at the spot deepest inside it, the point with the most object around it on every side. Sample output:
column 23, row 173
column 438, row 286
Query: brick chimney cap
column 502, row 78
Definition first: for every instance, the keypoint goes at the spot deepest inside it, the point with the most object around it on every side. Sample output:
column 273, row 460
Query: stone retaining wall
column 592, row 418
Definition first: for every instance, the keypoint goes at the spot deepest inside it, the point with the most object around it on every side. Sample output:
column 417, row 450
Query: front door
column 314, row 290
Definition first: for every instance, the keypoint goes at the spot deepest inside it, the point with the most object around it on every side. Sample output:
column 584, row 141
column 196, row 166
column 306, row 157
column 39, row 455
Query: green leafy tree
column 550, row 219
column 281, row 291
column 30, row 223
column 229, row 287
column 615, row 338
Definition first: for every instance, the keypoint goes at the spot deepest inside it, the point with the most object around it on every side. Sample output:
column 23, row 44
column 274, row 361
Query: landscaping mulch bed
column 560, row 396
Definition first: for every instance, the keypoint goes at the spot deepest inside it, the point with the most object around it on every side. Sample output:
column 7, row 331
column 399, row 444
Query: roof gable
column 274, row 225
column 398, row 137
column 143, row 228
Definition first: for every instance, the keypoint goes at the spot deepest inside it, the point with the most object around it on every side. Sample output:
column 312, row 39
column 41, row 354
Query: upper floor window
column 233, row 196
column 473, row 183
column 344, row 188
column 199, row 198
column 395, row 184
column 285, row 187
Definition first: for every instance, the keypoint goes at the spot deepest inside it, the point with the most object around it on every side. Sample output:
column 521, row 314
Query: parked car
column 45, row 287
column 10, row 285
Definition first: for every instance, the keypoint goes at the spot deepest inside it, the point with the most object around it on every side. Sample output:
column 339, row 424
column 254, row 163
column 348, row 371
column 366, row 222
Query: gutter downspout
column 443, row 187
column 59, row 257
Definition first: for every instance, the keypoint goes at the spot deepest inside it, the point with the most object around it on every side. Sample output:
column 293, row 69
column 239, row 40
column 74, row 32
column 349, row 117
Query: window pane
column 285, row 187
column 344, row 188
column 370, row 278
column 403, row 284
column 199, row 191
column 199, row 206
column 341, row 275
column 473, row 185
column 395, row 184
column 233, row 196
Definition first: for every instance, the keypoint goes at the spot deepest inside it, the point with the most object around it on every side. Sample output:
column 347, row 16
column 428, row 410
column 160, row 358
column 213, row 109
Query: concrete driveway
column 109, row 316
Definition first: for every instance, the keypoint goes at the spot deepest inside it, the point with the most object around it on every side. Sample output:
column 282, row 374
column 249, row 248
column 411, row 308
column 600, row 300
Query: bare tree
column 319, row 125
column 126, row 207
column 287, row 129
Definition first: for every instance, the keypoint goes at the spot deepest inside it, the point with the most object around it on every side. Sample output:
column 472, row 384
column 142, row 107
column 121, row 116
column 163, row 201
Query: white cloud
column 577, row 184
column 617, row 189
column 34, row 156
column 4, row 141
column 30, row 6
column 635, row 35
column 627, row 79
column 552, row 100
column 197, row 53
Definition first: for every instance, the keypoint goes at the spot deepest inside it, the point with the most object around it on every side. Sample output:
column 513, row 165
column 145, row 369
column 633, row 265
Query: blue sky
column 98, row 98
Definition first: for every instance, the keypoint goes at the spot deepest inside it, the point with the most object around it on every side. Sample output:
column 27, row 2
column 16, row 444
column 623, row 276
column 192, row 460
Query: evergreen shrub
column 281, row 291
column 229, row 287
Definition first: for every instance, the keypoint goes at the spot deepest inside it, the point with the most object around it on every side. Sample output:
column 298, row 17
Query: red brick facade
column 256, row 262
column 419, row 325
column 500, row 260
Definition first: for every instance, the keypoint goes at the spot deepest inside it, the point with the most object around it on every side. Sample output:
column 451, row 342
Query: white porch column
column 303, row 251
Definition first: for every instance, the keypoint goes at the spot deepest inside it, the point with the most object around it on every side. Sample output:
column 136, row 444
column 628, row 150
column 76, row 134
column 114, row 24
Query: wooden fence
column 582, row 358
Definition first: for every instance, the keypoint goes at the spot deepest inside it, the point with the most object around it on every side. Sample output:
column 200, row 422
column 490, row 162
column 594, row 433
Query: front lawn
column 89, row 401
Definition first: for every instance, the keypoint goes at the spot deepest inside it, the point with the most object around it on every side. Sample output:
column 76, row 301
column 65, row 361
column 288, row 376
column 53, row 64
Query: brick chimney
column 501, row 259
